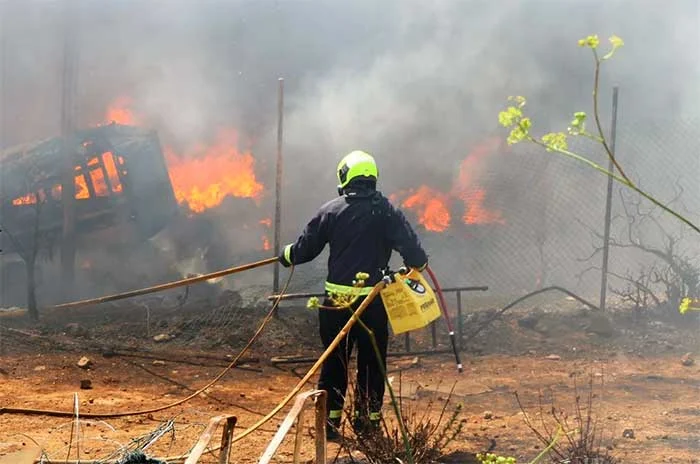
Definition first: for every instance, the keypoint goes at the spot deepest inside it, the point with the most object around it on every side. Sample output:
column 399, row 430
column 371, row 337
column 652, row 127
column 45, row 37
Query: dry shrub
column 428, row 436
column 572, row 436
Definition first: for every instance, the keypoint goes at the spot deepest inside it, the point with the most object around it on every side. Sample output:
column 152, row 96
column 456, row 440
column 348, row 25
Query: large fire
column 120, row 112
column 467, row 186
column 205, row 176
column 432, row 206
column 474, row 211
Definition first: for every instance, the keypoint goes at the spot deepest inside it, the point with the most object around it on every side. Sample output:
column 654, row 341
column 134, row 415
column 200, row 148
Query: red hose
column 441, row 297
column 448, row 321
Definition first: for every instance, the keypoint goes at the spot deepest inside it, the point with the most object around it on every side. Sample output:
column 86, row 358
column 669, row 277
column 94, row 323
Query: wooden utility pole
column 4, row 22
column 68, row 113
column 4, row 9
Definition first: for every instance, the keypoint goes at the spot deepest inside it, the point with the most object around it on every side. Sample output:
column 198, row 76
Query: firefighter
column 361, row 228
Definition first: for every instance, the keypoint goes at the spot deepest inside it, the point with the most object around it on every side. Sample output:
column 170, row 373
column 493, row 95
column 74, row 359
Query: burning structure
column 122, row 187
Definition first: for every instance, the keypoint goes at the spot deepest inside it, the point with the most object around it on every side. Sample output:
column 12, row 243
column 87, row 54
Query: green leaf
column 362, row 276
column 516, row 135
column 578, row 124
column 519, row 100
column 510, row 116
column 591, row 41
column 555, row 141
column 616, row 43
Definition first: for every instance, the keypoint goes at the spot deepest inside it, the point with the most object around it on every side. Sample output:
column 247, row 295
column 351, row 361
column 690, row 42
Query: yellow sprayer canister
column 409, row 302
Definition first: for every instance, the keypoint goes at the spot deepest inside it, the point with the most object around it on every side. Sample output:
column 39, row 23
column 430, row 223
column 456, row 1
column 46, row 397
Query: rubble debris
column 600, row 324
column 139, row 457
column 86, row 384
column 628, row 433
column 488, row 415
column 687, row 359
column 85, row 363
column 407, row 363
column 530, row 320
column 230, row 298
column 76, row 330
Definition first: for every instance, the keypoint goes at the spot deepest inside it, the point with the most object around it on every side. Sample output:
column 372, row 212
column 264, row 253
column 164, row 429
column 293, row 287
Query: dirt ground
column 547, row 353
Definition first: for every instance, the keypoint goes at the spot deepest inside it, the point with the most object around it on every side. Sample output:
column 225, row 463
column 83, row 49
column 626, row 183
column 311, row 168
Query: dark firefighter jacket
column 362, row 228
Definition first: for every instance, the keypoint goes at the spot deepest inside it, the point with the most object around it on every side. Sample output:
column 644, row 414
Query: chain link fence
column 549, row 233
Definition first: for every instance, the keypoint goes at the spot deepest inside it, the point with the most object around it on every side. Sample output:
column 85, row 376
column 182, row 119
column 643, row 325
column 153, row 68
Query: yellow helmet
column 356, row 164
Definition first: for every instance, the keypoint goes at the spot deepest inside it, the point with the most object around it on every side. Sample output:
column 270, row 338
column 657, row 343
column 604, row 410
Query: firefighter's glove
column 405, row 269
column 285, row 258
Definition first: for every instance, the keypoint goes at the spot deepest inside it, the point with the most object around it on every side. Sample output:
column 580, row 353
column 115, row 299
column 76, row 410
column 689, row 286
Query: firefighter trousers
column 369, row 392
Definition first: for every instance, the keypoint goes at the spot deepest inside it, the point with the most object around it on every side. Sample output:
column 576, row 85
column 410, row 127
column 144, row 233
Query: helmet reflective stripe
column 356, row 164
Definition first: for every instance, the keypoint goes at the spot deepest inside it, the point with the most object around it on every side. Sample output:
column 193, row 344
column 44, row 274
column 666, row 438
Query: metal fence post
column 278, row 187
column 608, row 207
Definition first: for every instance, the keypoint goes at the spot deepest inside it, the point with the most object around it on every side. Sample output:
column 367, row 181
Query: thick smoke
column 419, row 84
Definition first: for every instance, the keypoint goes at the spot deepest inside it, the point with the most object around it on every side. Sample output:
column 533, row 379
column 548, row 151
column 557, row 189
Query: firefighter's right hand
column 285, row 258
column 283, row 261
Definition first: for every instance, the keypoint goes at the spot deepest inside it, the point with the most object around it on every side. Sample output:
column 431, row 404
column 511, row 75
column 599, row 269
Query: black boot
column 364, row 424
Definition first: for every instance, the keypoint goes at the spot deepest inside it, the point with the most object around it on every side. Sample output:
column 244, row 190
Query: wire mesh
column 548, row 231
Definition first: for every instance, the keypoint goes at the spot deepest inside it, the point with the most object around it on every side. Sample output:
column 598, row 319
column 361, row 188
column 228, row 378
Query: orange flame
column 432, row 208
column 475, row 213
column 467, row 186
column 28, row 199
column 267, row 222
column 119, row 112
column 203, row 178
column 81, row 193
column 97, row 175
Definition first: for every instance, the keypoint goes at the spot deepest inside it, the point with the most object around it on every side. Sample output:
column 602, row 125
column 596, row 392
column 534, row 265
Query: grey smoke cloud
column 417, row 83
